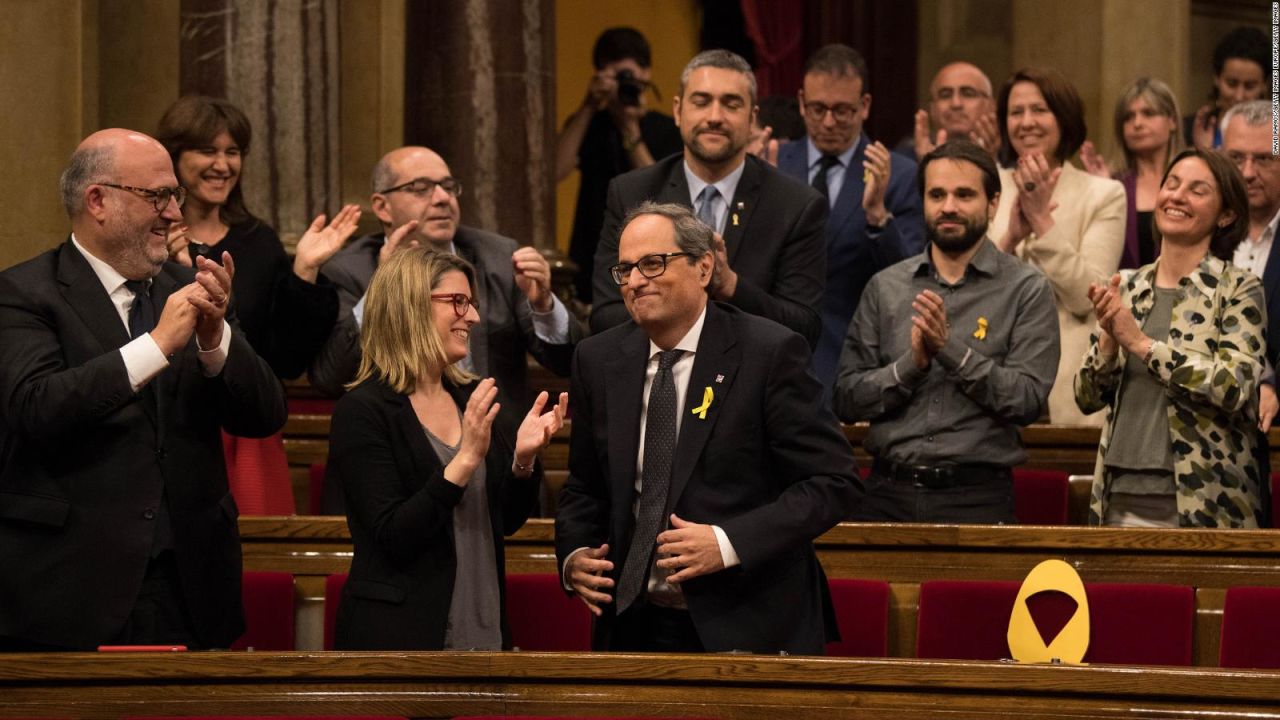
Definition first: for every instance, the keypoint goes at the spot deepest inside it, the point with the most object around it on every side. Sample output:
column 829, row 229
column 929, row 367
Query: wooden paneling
column 721, row 686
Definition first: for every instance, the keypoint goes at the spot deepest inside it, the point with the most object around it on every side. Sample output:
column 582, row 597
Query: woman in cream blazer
column 1065, row 222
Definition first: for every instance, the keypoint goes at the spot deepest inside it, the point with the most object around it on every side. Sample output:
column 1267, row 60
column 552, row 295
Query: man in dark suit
column 702, row 463
column 416, row 198
column 118, row 372
column 875, row 210
column 771, row 261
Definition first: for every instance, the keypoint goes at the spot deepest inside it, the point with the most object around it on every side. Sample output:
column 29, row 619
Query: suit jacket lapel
column 714, row 366
column 744, row 203
column 850, row 197
column 676, row 188
column 624, row 395
column 479, row 340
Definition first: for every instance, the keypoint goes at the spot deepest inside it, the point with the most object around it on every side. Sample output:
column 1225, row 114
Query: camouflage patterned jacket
column 1210, row 366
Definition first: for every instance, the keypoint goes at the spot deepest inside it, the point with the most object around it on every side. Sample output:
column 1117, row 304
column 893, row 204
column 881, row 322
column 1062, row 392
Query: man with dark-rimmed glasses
column 702, row 463
column 415, row 196
column 119, row 370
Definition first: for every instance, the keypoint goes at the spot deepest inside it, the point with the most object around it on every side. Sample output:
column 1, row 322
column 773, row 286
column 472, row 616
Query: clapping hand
column 321, row 242
column 477, row 425
column 538, row 427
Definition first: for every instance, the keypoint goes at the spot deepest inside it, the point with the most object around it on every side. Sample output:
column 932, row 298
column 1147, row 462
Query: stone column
column 479, row 89
column 278, row 61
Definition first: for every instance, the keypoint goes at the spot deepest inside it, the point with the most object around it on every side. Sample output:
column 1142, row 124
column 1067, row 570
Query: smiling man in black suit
column 117, row 373
column 702, row 463
column 772, row 261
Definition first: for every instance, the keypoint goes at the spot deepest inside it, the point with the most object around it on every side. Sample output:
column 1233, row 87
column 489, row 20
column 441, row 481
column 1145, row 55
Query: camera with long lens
column 629, row 88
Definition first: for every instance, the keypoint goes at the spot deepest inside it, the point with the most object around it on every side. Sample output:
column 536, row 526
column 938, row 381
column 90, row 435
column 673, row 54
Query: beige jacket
column 1084, row 246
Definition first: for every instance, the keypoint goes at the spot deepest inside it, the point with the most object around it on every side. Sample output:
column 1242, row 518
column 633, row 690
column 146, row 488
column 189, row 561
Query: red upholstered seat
column 315, row 488
column 268, row 611
column 258, row 474
column 311, row 406
column 1040, row 496
column 862, row 612
column 543, row 617
column 1128, row 624
column 332, row 594
column 1251, row 628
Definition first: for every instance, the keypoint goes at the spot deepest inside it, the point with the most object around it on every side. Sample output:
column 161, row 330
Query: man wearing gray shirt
column 948, row 354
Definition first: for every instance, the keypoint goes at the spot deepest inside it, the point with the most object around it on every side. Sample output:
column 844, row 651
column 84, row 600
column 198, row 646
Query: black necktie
column 142, row 317
column 825, row 163
column 659, row 446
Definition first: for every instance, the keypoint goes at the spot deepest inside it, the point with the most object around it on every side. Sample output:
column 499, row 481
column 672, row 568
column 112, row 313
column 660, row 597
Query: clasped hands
column 1033, row 206
column 1116, row 321
column 533, row 435
column 929, row 328
column 687, row 550
column 199, row 307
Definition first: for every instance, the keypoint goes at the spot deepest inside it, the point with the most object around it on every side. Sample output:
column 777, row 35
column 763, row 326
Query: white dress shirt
column 143, row 359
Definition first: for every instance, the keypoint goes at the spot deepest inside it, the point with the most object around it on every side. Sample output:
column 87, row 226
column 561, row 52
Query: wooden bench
column 904, row 555
column 733, row 687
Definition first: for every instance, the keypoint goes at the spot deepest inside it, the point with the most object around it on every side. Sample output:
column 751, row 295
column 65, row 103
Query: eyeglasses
column 816, row 111
column 425, row 186
column 1260, row 161
column 650, row 266
column 966, row 93
column 460, row 302
column 159, row 197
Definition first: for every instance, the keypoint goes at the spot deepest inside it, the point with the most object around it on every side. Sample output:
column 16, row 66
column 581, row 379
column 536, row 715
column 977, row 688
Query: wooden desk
column 718, row 686
column 904, row 555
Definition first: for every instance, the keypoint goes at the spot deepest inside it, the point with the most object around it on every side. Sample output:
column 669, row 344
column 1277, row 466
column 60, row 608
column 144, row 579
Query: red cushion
column 310, row 406
column 543, row 617
column 332, row 594
column 1140, row 624
column 1040, row 496
column 961, row 620
column 315, row 488
column 258, row 474
column 1128, row 624
column 862, row 613
column 268, row 611
column 1251, row 628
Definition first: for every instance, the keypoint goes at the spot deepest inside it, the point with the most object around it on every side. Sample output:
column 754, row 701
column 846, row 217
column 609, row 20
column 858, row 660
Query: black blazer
column 86, row 462
column 777, row 246
column 769, row 465
column 400, row 512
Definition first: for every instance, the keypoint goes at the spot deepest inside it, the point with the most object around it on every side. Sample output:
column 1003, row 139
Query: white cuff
column 564, row 571
column 143, row 360
column 552, row 326
column 728, row 555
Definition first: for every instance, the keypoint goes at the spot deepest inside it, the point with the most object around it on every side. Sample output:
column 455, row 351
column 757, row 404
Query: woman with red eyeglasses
column 431, row 483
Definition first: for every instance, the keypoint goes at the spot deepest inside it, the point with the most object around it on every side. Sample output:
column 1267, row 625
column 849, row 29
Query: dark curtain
column 776, row 30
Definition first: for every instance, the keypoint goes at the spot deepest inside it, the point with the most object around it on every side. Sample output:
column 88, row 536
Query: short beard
column 699, row 151
column 974, row 232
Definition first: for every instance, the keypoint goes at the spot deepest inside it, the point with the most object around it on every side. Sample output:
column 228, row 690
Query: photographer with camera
column 611, row 133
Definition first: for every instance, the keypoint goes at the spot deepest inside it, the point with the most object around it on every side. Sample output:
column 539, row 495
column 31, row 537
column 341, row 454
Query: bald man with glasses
column 416, row 198
column 119, row 370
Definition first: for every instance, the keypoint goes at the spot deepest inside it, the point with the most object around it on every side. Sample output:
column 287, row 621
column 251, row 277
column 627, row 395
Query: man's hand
column 1267, row 406
column 878, row 168
column 724, row 281
column 215, row 280
column 688, row 550
column 588, row 576
column 924, row 142
column 931, row 321
column 533, row 277
column 601, row 90
column 177, row 320
column 763, row 145
column 396, row 240
column 320, row 242
column 986, row 133
column 1202, row 127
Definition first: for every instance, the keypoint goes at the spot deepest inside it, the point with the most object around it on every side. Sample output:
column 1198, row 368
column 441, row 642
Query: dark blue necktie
column 659, row 447
column 820, row 180
column 142, row 316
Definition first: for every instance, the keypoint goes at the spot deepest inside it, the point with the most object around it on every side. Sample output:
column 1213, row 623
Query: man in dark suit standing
column 117, row 372
column 702, row 463
column 770, row 253
column 416, row 198
column 875, row 210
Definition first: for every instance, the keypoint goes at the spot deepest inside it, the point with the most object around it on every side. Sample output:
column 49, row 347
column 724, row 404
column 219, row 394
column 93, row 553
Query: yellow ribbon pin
column 981, row 332
column 701, row 410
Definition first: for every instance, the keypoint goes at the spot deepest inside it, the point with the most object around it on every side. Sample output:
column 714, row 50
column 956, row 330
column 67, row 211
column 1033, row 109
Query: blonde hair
column 399, row 342
column 1161, row 99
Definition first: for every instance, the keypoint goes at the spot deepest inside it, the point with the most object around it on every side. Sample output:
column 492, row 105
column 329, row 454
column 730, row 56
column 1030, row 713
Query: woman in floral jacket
column 1176, row 360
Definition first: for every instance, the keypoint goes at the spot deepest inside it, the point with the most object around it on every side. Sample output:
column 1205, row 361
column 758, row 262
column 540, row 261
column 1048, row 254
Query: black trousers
column 649, row 628
column 888, row 500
